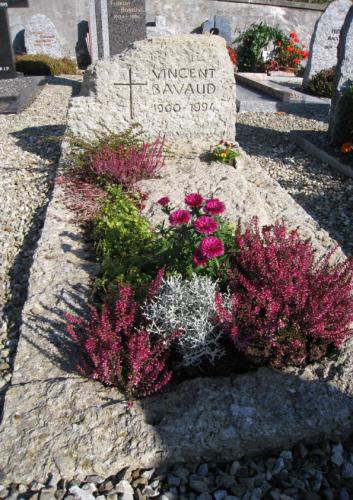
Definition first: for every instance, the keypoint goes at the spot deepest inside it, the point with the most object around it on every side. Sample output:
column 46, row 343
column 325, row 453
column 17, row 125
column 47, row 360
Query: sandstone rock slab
column 324, row 42
column 57, row 422
column 181, row 86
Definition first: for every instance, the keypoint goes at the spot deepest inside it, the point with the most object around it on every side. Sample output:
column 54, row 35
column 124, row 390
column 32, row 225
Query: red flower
column 194, row 200
column 199, row 259
column 214, row 207
column 211, row 247
column 205, row 225
column 296, row 61
column 279, row 43
column 164, row 201
column 179, row 217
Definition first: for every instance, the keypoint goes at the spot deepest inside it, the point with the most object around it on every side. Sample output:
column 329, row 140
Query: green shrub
column 41, row 64
column 321, row 84
column 253, row 41
column 124, row 242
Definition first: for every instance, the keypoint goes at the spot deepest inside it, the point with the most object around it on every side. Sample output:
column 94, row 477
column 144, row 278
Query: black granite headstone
column 7, row 63
column 127, row 23
column 119, row 23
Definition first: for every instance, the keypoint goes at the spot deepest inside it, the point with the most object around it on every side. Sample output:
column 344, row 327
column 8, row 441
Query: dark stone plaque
column 17, row 3
column 7, row 64
column 127, row 23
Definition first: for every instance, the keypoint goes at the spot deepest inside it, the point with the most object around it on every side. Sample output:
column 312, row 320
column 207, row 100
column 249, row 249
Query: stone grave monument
column 41, row 37
column 221, row 26
column 324, row 42
column 344, row 78
column 7, row 64
column 114, row 25
column 180, row 86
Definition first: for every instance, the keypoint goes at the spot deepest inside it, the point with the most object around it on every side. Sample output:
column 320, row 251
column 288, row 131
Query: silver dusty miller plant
column 187, row 306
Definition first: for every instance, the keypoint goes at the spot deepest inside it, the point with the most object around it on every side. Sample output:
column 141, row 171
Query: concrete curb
column 313, row 150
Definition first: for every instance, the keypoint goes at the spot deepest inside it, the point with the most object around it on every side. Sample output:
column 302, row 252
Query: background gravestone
column 182, row 87
column 324, row 42
column 41, row 37
column 7, row 62
column 338, row 132
column 115, row 24
column 222, row 24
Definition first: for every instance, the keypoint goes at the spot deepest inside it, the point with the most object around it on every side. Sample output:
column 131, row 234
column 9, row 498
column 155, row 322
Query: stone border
column 282, row 3
column 313, row 150
column 261, row 81
column 56, row 422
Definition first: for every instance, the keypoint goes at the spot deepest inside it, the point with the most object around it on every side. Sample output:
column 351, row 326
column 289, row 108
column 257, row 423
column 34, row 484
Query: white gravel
column 29, row 152
column 324, row 194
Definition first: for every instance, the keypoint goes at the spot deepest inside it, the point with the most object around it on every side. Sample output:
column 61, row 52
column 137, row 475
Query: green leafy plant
column 41, row 64
column 124, row 241
column 321, row 84
column 252, row 43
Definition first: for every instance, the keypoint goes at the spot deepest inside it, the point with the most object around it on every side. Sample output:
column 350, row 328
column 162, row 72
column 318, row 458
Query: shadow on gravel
column 65, row 81
column 278, row 146
column 43, row 141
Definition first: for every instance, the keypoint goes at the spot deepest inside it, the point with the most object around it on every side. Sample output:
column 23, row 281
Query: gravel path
column 28, row 163
column 29, row 152
column 325, row 195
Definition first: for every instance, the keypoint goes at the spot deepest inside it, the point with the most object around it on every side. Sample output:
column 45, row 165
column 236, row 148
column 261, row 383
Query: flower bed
column 196, row 294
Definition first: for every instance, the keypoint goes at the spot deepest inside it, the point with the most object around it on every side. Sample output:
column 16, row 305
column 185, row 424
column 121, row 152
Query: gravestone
column 114, row 25
column 344, row 78
column 222, row 27
column 41, row 37
column 180, row 86
column 7, row 64
column 324, row 42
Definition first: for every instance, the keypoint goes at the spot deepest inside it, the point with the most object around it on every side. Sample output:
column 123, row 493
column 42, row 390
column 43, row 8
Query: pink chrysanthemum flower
column 194, row 200
column 199, row 259
column 164, row 201
column 212, row 247
column 179, row 217
column 214, row 207
column 205, row 225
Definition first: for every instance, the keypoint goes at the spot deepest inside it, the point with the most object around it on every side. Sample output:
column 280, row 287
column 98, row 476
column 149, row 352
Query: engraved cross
column 131, row 84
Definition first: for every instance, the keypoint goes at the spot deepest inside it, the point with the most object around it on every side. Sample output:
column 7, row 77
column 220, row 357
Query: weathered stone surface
column 344, row 78
column 324, row 42
column 182, row 86
column 56, row 422
column 41, row 37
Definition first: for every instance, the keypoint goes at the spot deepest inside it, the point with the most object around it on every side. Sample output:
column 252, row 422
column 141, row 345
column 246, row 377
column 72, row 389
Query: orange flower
column 347, row 147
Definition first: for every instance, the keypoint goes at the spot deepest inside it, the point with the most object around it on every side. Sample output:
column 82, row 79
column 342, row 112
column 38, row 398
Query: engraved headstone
column 324, row 42
column 41, row 37
column 180, row 86
column 114, row 25
column 219, row 25
column 7, row 63
column 338, row 132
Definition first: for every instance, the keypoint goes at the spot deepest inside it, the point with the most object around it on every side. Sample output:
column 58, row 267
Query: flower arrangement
column 225, row 152
column 198, row 239
column 290, row 51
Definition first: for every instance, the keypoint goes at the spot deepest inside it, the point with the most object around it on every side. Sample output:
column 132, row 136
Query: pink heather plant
column 117, row 350
column 205, row 225
column 285, row 309
column 127, row 166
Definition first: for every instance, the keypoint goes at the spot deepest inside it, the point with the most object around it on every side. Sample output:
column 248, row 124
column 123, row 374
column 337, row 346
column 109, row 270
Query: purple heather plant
column 286, row 308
